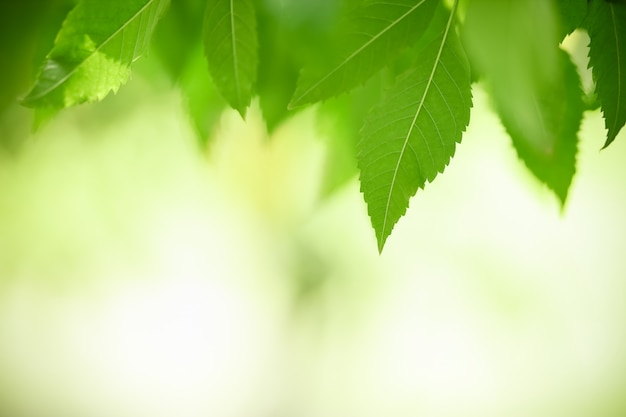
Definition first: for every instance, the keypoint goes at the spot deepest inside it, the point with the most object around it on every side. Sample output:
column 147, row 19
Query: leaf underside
column 559, row 111
column 370, row 37
column 94, row 50
column 411, row 136
column 606, row 24
column 231, row 48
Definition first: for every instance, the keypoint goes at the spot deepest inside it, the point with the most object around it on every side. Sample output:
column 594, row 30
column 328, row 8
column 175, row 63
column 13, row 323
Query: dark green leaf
column 231, row 45
column 278, row 68
column 411, row 136
column 606, row 24
column 177, row 35
column 572, row 13
column 369, row 38
column 94, row 50
column 559, row 109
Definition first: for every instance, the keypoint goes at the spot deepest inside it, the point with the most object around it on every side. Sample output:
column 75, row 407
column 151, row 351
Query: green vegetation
column 405, row 66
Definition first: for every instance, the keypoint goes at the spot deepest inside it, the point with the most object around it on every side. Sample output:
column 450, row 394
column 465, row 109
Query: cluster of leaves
column 394, row 76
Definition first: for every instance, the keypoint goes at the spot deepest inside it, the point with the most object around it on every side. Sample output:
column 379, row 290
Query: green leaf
column 572, row 14
column 94, row 50
column 201, row 99
column 370, row 37
column 512, row 45
column 606, row 24
column 278, row 69
column 231, row 47
column 411, row 136
column 338, row 120
column 559, row 109
column 179, row 32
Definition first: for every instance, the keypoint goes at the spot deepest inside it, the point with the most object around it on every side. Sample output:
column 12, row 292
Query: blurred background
column 144, row 274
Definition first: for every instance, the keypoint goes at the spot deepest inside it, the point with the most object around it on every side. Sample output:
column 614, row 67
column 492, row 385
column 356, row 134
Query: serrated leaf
column 411, row 136
column 370, row 37
column 94, row 50
column 571, row 13
column 231, row 47
column 559, row 110
column 606, row 24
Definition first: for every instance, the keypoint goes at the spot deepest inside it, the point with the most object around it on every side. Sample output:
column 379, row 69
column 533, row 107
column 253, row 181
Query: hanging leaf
column 277, row 71
column 201, row 99
column 231, row 47
column 411, row 136
column 511, row 44
column 370, row 37
column 559, row 109
column 94, row 50
column 606, row 24
column 572, row 14
column 339, row 120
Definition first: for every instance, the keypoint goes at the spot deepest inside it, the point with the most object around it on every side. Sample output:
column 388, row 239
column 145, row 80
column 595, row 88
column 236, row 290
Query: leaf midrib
column 619, row 68
column 355, row 53
column 413, row 122
column 97, row 49
column 234, row 46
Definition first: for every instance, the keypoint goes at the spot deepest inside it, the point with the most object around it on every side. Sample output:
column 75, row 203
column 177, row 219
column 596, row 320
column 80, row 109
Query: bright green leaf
column 511, row 44
column 607, row 56
column 339, row 120
column 411, row 136
column 559, row 108
column 202, row 101
column 231, row 47
column 370, row 37
column 94, row 50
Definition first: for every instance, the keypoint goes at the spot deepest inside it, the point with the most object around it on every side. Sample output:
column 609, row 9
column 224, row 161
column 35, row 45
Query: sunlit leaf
column 559, row 108
column 94, row 50
column 606, row 25
column 369, row 38
column 231, row 45
column 411, row 136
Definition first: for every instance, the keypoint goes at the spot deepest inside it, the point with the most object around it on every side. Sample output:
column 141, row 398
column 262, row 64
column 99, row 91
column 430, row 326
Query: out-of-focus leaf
column 560, row 109
column 202, row 100
column 606, row 24
column 339, row 120
column 94, row 50
column 24, row 27
column 177, row 35
column 410, row 137
column 231, row 45
column 369, row 38
column 291, row 33
column 511, row 44
column 278, row 67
